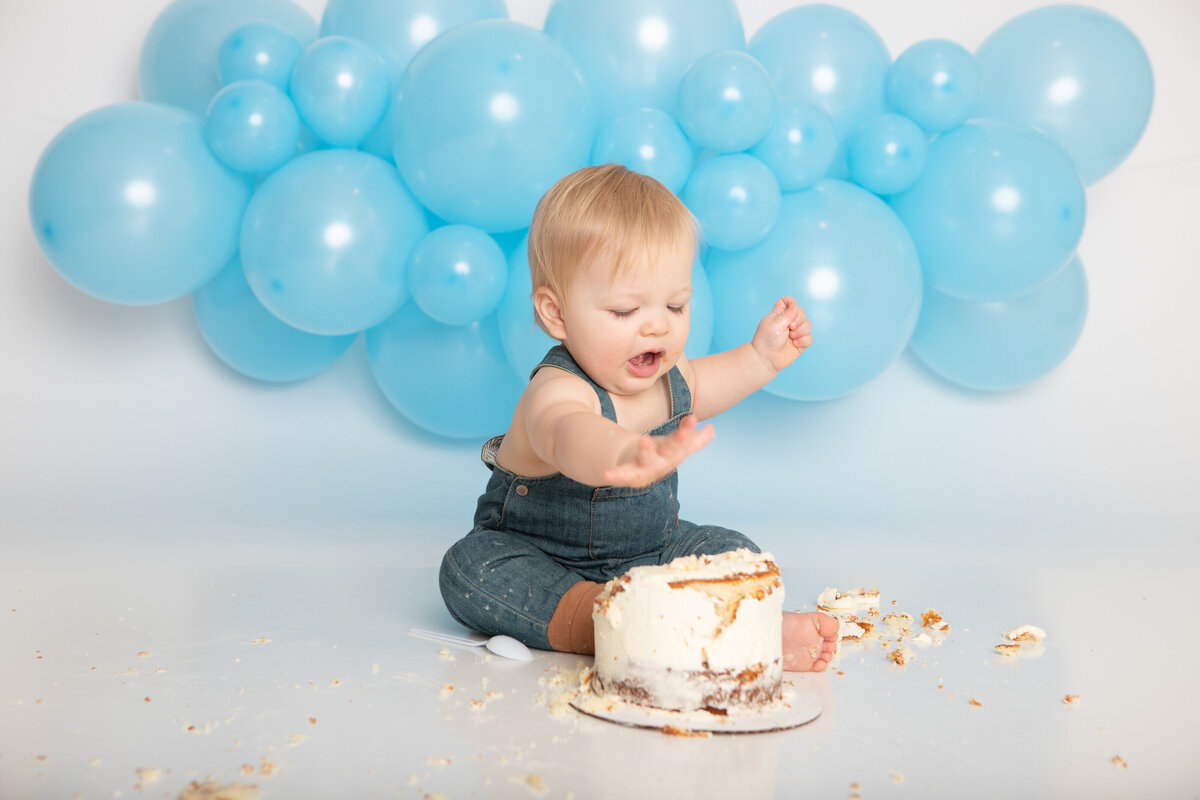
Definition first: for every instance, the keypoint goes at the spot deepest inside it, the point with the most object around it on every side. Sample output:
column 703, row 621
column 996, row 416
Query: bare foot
column 809, row 640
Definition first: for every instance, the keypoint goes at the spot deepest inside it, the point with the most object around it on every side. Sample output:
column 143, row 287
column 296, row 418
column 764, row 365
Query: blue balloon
column 849, row 262
column 735, row 198
column 178, row 62
column 700, row 334
column 129, row 204
column 326, row 240
column 1003, row 345
column 886, row 154
column 800, row 145
column 634, row 53
column 258, row 51
column 451, row 380
column 726, row 101
column 523, row 341
column 1076, row 74
column 252, row 126
column 252, row 340
column 488, row 117
column 341, row 89
column 830, row 56
column 998, row 210
column 648, row 141
column 457, row 274
column 935, row 83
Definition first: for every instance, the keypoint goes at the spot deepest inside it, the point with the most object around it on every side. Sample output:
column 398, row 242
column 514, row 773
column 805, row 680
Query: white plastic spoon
column 501, row 645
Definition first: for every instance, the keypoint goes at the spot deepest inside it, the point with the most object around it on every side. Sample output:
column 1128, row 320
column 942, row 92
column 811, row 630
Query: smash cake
column 700, row 635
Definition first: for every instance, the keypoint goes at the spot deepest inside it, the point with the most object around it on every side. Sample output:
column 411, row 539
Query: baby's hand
column 656, row 457
column 783, row 334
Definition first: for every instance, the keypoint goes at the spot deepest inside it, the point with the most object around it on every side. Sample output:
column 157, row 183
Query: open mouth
column 645, row 364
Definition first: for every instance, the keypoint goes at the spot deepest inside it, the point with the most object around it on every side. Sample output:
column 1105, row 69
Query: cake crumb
column 438, row 761
column 897, row 777
column 531, row 781
column 1071, row 699
column 148, row 775
column 267, row 767
column 297, row 739
column 211, row 790
column 975, row 703
column 445, row 691
column 143, row 654
column 1119, row 763
column 1025, row 633
column 1008, row 650
column 932, row 618
column 445, row 655
column 673, row 730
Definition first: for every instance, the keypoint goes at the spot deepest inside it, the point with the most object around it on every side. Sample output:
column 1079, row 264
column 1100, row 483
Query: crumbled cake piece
column 211, row 790
column 899, row 623
column 932, row 619
column 900, row 655
column 1071, row 699
column 1025, row 633
column 1008, row 649
column 975, row 703
column 1119, row 763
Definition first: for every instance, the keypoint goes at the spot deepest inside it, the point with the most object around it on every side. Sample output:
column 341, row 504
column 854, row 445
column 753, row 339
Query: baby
column 583, row 484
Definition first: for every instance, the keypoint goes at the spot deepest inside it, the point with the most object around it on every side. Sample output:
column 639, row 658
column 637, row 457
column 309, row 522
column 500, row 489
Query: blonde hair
column 606, row 209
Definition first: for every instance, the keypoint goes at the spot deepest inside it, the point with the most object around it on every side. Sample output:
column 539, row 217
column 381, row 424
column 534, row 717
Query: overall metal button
column 522, row 489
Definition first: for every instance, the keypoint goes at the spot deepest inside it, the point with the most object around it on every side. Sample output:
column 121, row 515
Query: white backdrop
column 117, row 421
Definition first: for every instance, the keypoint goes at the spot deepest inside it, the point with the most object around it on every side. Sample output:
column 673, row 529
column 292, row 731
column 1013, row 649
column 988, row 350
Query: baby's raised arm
column 568, row 432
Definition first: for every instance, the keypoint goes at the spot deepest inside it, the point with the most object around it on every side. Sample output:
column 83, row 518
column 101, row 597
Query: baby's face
column 628, row 330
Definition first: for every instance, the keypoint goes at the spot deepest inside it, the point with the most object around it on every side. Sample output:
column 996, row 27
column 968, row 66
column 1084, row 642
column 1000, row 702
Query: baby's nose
column 656, row 325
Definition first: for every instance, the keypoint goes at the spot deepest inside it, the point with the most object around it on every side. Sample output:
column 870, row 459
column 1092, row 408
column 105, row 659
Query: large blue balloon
column 1076, row 74
column 130, row 205
column 327, row 238
column 998, row 210
column 827, row 55
column 1003, row 345
column 252, row 126
column 634, row 53
column 523, row 341
column 726, row 101
column 179, row 58
column 800, row 145
column 849, row 262
column 258, row 51
column 341, row 89
column 452, row 380
column 935, row 83
column 254, row 341
column 487, row 118
column 457, row 274
column 735, row 199
column 648, row 141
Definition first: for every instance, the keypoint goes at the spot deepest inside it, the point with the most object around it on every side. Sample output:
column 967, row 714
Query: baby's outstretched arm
column 655, row 457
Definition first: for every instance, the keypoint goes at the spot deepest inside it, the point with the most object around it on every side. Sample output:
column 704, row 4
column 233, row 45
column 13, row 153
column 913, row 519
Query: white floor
column 285, row 663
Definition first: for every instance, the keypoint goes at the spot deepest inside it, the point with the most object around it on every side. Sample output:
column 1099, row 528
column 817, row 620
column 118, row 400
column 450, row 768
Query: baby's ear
column 548, row 311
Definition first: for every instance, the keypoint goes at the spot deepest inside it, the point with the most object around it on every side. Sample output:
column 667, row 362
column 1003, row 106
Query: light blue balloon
column 179, row 58
column 935, row 83
column 258, row 51
column 849, row 262
column 648, row 141
column 129, row 204
column 700, row 334
column 341, row 89
column 726, row 101
column 457, row 274
column 1003, row 345
column 488, row 117
column 800, row 145
column 634, row 53
column 886, row 154
column 326, row 240
column 252, row 340
column 252, row 126
column 1076, row 74
column 735, row 199
column 523, row 341
column 451, row 380
column 997, row 210
column 830, row 56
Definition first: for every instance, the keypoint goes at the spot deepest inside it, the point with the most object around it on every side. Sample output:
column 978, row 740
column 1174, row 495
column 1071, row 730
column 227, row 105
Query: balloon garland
column 375, row 175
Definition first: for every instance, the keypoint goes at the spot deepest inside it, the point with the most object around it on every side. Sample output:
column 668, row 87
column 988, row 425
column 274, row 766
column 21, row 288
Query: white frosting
column 651, row 634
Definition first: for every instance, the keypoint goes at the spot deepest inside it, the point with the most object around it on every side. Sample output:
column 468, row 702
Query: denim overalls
column 534, row 538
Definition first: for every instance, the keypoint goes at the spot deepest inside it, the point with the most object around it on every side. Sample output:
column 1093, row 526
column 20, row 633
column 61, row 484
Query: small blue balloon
column 451, row 380
column 699, row 342
column 1003, row 345
column 726, row 101
column 259, row 51
column 633, row 54
column 1076, row 74
column 252, row 340
column 849, row 262
column 648, row 141
column 800, row 145
column 130, row 205
column 830, row 56
column 886, row 154
column 997, row 210
column 341, row 89
column 488, row 117
column 326, row 240
column 178, row 61
column 252, row 126
column 736, row 200
column 935, row 83
column 524, row 342
column 457, row 274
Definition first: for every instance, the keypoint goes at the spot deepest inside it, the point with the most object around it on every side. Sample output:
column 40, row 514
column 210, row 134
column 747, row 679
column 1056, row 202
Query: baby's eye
column 621, row 314
column 678, row 309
